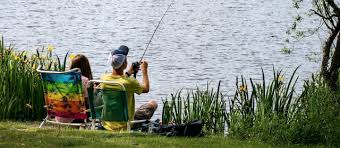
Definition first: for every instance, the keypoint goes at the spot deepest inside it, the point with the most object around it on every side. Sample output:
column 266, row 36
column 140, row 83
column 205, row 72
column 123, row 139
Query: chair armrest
column 139, row 121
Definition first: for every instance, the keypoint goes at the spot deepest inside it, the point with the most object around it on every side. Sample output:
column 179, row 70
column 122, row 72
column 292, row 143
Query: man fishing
column 118, row 61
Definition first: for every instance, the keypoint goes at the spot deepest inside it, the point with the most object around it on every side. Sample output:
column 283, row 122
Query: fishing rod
column 136, row 65
column 147, row 46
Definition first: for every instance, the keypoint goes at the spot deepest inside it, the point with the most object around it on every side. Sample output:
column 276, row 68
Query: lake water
column 198, row 41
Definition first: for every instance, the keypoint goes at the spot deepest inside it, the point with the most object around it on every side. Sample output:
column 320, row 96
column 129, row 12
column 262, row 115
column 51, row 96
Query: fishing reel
column 135, row 67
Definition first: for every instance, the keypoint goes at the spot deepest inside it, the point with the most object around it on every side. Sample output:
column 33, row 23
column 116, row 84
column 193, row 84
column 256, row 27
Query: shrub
column 316, row 122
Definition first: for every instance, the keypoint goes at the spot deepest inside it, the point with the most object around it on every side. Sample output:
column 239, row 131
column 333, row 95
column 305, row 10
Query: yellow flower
column 34, row 67
column 17, row 58
column 50, row 48
column 243, row 88
column 72, row 56
column 280, row 78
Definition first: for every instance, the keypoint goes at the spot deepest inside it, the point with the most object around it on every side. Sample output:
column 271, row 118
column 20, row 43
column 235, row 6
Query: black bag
column 193, row 128
column 190, row 129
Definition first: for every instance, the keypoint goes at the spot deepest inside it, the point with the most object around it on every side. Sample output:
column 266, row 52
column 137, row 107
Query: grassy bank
column 27, row 134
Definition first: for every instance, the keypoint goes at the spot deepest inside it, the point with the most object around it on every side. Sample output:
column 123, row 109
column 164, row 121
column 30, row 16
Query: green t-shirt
column 132, row 86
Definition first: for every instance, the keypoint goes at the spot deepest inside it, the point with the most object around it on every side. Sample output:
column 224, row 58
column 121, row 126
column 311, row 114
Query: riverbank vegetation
column 274, row 113
column 208, row 105
column 268, row 111
column 21, row 92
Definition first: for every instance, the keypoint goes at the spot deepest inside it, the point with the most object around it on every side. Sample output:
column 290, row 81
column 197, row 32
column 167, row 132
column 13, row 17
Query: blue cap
column 124, row 50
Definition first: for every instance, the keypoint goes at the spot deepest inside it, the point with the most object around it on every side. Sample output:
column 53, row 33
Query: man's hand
column 144, row 66
column 134, row 68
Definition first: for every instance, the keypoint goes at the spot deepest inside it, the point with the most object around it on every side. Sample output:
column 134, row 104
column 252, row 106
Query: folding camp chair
column 63, row 95
column 109, row 104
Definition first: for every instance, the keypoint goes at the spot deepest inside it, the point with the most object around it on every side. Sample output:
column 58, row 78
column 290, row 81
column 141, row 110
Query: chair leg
column 129, row 126
column 85, row 125
column 149, row 127
column 43, row 122
column 93, row 124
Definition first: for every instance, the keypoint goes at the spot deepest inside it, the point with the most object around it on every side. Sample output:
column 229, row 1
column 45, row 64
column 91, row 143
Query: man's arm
column 144, row 68
column 146, row 85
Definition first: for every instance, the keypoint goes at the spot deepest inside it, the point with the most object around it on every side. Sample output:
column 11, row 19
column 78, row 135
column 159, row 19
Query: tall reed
column 318, row 118
column 263, row 104
column 208, row 105
column 21, row 91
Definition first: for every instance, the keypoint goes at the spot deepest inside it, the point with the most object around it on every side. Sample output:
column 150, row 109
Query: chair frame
column 93, row 121
column 48, row 118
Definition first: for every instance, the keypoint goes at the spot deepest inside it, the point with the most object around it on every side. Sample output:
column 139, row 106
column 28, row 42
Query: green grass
column 27, row 134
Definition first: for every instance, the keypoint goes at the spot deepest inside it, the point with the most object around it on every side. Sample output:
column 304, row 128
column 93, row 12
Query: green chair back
column 108, row 104
column 115, row 105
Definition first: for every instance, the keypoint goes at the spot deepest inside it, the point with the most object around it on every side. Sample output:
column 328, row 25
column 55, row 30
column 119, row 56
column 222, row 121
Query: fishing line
column 147, row 46
column 136, row 65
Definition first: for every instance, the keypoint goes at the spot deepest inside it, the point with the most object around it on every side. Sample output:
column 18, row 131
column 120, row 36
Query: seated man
column 118, row 61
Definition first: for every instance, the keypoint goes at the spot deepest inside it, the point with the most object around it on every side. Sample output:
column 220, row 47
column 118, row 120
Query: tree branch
column 328, row 14
column 322, row 12
column 336, row 9
column 325, row 17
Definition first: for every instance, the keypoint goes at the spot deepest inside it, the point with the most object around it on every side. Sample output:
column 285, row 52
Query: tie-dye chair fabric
column 63, row 95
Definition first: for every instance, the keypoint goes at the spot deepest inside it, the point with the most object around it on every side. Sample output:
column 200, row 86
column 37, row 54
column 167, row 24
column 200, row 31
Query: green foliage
column 286, row 50
column 275, row 113
column 21, row 92
column 316, row 121
column 264, row 104
column 208, row 105
column 21, row 89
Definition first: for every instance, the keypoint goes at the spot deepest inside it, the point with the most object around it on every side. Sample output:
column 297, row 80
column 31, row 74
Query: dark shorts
column 144, row 112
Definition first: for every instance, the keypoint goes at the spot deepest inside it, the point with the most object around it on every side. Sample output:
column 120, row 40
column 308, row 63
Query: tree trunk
column 325, row 71
column 335, row 65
